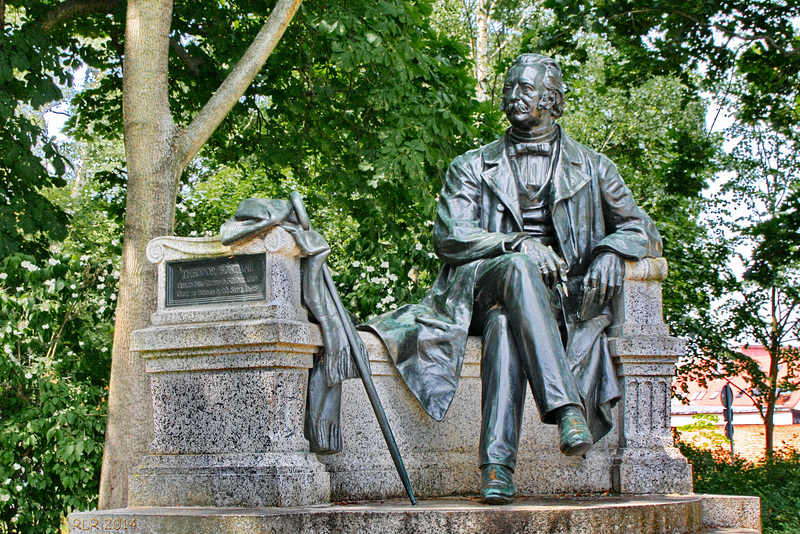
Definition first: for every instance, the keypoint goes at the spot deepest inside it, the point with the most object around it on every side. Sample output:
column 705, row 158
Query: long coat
column 479, row 217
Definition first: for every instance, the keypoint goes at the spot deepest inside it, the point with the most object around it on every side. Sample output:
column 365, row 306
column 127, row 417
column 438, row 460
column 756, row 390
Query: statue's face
column 522, row 93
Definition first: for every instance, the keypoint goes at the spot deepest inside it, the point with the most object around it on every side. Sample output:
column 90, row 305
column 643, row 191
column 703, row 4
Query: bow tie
column 534, row 149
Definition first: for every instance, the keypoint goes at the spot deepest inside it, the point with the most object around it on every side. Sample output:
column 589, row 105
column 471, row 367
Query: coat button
column 500, row 207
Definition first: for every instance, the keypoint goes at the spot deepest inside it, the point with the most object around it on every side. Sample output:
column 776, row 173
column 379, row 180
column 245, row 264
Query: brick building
column 749, row 431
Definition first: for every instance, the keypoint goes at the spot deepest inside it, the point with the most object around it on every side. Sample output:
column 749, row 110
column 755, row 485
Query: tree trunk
column 481, row 52
column 769, row 430
column 157, row 152
column 149, row 212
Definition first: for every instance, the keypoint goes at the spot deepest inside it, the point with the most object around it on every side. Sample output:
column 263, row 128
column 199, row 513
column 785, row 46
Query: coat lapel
column 570, row 176
column 500, row 179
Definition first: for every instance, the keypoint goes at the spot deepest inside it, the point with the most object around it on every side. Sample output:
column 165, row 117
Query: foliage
column 37, row 61
column 392, row 106
column 762, row 308
column 491, row 30
column 55, row 322
column 776, row 482
column 682, row 37
column 706, row 428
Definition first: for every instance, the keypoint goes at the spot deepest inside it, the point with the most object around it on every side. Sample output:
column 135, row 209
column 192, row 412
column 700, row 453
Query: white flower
column 20, row 289
column 17, row 467
column 428, row 223
column 74, row 295
column 385, row 265
column 45, row 326
column 7, row 482
column 431, row 255
column 80, row 343
column 101, row 286
column 5, row 497
column 50, row 283
column 115, row 242
column 370, row 268
column 72, row 287
column 392, row 277
column 419, row 246
column 101, row 278
column 3, row 276
column 191, row 214
column 85, row 258
column 181, row 208
column 193, row 233
column 53, row 261
column 113, row 297
column 28, row 376
column 356, row 263
column 18, row 488
column 28, row 265
column 104, row 349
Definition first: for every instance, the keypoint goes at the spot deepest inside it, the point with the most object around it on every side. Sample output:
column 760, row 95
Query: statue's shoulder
column 477, row 156
column 579, row 152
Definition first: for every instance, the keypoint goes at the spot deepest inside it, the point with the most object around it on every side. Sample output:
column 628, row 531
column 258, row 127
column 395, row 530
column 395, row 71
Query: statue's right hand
column 551, row 266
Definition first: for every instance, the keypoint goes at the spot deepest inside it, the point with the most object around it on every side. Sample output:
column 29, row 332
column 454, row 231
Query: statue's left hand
column 605, row 276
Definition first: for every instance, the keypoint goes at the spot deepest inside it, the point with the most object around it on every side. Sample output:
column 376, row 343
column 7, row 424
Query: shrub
column 776, row 481
column 55, row 336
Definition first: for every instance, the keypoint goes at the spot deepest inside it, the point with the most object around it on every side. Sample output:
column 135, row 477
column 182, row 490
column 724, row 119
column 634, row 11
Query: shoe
column 496, row 484
column 573, row 431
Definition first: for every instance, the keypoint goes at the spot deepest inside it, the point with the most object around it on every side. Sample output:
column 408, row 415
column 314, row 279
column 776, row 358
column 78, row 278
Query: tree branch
column 768, row 40
column 73, row 8
column 237, row 82
column 192, row 63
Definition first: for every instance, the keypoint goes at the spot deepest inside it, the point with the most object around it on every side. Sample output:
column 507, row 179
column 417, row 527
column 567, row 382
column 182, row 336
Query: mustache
column 517, row 105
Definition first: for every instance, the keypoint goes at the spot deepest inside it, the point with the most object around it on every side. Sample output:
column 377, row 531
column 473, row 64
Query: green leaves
column 776, row 481
column 35, row 65
column 55, row 323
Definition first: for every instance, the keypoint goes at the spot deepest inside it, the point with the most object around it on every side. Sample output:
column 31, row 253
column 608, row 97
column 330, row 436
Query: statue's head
column 533, row 94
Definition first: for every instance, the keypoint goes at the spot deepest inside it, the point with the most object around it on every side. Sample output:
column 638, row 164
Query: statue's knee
column 518, row 264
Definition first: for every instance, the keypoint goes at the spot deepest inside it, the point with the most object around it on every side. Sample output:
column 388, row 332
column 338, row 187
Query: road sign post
column 727, row 413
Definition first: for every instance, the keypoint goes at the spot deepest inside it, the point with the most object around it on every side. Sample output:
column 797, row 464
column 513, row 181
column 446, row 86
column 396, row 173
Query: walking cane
column 359, row 356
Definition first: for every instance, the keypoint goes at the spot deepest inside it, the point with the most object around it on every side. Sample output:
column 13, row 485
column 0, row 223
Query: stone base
column 442, row 457
column 645, row 471
column 227, row 480
column 595, row 515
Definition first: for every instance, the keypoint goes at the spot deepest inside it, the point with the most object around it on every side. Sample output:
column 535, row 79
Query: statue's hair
column 553, row 79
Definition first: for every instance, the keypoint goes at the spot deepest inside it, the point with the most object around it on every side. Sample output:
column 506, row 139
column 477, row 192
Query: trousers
column 517, row 316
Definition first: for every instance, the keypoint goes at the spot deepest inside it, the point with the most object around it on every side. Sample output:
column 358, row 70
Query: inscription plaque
column 236, row 278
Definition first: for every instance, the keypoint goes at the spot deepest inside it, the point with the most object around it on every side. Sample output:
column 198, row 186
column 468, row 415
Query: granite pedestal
column 228, row 380
column 567, row 515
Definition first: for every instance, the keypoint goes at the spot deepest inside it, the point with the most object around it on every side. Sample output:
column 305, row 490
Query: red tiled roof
column 710, row 396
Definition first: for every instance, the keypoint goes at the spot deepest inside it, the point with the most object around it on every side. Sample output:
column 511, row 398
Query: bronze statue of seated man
column 532, row 229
